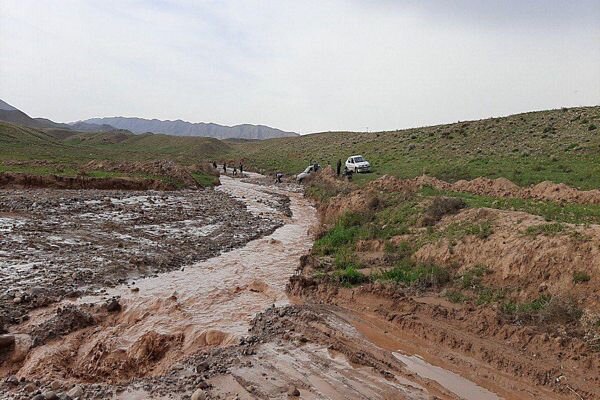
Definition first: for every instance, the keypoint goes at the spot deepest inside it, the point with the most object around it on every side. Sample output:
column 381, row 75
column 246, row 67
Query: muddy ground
column 209, row 323
column 67, row 243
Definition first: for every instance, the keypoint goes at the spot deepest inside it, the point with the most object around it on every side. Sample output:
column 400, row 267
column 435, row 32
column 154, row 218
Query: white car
column 309, row 170
column 358, row 164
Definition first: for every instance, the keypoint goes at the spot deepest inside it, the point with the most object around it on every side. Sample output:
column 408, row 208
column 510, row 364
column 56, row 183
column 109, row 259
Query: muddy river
column 193, row 329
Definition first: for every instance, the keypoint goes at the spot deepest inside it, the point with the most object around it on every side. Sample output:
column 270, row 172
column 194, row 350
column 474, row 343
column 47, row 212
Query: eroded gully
column 211, row 304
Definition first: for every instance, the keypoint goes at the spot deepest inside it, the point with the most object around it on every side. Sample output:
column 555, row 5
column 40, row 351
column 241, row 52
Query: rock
column 30, row 388
column 199, row 394
column 17, row 300
column 6, row 341
column 50, row 395
column 12, row 380
column 202, row 367
column 55, row 385
column 75, row 392
column 113, row 305
column 293, row 391
column 38, row 397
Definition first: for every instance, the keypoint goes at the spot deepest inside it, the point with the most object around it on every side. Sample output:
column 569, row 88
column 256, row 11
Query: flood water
column 211, row 303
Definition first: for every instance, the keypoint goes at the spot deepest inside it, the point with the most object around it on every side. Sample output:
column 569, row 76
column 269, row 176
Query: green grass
column 456, row 296
column 530, row 307
column 350, row 276
column 205, row 180
column 410, row 273
column 545, row 229
column 527, row 148
column 551, row 211
column 581, row 277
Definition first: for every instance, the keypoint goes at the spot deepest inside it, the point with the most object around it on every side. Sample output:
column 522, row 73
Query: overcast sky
column 302, row 66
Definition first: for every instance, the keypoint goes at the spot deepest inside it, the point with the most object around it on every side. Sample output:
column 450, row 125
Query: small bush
column 441, row 206
column 545, row 229
column 350, row 276
column 592, row 127
column 581, row 277
column 420, row 275
column 471, row 278
column 456, row 296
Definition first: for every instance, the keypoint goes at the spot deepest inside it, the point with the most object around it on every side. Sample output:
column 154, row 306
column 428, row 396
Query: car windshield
column 358, row 159
column 308, row 170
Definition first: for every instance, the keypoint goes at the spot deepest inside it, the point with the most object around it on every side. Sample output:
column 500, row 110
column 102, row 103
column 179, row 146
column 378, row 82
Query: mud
column 223, row 327
column 57, row 244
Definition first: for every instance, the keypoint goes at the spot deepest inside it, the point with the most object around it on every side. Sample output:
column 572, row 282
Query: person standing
column 224, row 167
column 241, row 169
column 339, row 167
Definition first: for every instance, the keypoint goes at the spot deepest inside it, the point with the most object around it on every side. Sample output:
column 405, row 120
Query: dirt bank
column 14, row 180
column 500, row 187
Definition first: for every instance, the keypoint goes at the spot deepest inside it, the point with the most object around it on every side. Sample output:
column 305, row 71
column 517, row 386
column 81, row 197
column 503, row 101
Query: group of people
column 235, row 168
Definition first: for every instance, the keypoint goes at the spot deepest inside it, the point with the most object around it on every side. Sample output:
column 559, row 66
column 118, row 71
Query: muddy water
column 458, row 385
column 206, row 304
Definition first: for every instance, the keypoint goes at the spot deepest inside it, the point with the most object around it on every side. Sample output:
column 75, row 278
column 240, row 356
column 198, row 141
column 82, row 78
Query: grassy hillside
column 60, row 152
column 56, row 146
column 559, row 145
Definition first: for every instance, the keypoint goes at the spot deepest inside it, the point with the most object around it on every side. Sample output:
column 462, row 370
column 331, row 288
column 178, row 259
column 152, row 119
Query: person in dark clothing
column 214, row 165
column 339, row 167
column 224, row 167
column 278, row 177
column 234, row 171
column 241, row 169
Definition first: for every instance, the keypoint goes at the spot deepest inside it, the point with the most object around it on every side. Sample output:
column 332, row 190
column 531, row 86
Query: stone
column 293, row 391
column 50, row 395
column 75, row 392
column 113, row 305
column 30, row 388
column 199, row 394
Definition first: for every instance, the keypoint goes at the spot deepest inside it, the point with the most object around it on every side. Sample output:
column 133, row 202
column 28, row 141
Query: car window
column 358, row 159
column 351, row 160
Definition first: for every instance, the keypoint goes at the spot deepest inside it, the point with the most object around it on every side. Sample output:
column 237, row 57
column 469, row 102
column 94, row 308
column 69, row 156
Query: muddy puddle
column 463, row 388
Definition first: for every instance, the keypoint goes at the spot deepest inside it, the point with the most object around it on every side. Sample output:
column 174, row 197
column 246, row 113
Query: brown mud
column 223, row 327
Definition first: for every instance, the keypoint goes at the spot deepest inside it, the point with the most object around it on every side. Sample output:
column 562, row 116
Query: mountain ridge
column 180, row 127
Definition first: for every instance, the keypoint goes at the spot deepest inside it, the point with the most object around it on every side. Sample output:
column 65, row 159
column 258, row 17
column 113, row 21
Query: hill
column 184, row 128
column 558, row 145
column 13, row 115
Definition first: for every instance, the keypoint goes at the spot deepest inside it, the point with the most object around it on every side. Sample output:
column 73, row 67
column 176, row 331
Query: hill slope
column 13, row 115
column 559, row 145
column 184, row 128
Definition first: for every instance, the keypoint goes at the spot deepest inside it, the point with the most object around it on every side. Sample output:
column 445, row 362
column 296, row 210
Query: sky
column 303, row 66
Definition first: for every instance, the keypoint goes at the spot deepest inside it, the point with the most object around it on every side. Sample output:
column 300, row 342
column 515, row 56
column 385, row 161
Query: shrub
column 471, row 278
column 592, row 127
column 421, row 275
column 441, row 206
column 350, row 276
column 581, row 277
column 456, row 296
column 545, row 229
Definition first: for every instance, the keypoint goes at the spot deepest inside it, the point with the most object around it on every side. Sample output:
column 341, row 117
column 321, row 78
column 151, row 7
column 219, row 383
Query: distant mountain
column 89, row 127
column 184, row 128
